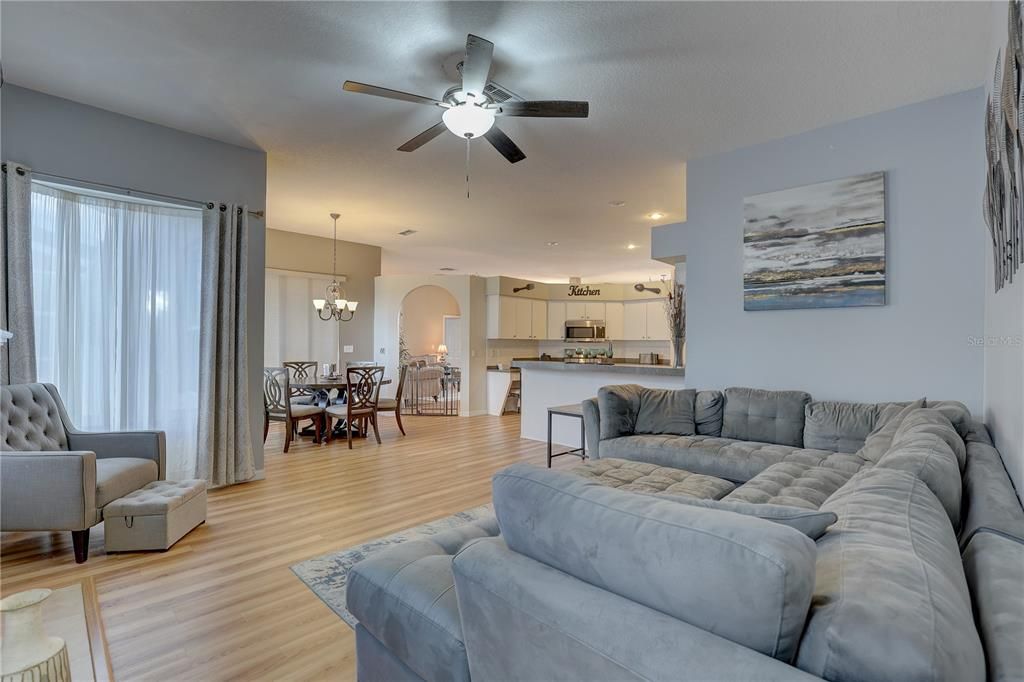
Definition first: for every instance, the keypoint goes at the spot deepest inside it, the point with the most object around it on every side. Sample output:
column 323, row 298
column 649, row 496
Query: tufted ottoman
column 641, row 477
column 154, row 516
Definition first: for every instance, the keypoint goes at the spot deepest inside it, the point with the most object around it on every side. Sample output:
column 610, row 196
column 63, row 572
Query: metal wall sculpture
column 1004, row 138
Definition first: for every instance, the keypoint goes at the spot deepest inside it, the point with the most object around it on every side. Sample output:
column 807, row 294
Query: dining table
column 321, row 388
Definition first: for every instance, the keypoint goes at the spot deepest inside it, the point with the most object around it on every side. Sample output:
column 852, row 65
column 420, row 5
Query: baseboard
column 261, row 475
column 474, row 413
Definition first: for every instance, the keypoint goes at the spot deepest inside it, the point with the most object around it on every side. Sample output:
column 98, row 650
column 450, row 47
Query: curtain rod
column 124, row 190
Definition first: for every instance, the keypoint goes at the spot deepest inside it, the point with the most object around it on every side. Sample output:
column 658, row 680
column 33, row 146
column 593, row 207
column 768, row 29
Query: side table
column 573, row 410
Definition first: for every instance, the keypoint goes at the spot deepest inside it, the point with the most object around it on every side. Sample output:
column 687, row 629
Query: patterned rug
column 327, row 575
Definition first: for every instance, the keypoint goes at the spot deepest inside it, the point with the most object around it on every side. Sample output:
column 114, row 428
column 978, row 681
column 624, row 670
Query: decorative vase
column 677, row 351
column 27, row 654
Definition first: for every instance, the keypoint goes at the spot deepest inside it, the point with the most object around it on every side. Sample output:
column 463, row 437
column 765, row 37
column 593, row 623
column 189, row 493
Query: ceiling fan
column 469, row 112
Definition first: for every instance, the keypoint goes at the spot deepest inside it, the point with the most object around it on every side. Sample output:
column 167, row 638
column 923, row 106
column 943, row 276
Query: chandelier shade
column 336, row 305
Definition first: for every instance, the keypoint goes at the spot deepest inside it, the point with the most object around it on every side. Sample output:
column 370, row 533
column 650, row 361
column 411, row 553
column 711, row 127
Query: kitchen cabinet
column 584, row 310
column 645, row 321
column 614, row 318
column 516, row 318
column 556, row 321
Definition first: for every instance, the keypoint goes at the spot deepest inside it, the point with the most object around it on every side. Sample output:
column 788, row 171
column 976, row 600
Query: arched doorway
column 430, row 316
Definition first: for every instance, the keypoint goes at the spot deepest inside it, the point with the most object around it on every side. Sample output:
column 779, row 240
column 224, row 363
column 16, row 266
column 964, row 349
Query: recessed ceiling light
column 631, row 246
column 406, row 233
column 656, row 215
column 618, row 203
column 447, row 269
column 552, row 243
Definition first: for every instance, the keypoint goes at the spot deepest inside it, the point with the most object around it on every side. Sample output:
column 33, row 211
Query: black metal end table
column 574, row 410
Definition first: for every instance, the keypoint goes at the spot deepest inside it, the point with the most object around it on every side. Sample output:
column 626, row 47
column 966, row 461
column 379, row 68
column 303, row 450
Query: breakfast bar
column 548, row 383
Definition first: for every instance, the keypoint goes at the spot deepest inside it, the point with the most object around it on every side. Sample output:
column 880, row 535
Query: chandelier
column 336, row 306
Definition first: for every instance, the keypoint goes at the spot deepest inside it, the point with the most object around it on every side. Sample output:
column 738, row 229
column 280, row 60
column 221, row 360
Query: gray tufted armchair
column 55, row 477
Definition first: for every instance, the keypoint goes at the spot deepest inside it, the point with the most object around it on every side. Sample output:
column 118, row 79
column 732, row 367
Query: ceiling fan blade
column 353, row 86
column 545, row 109
column 423, row 138
column 504, row 144
column 477, row 65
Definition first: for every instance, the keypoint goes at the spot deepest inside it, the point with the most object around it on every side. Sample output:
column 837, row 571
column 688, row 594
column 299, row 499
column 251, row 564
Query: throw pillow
column 812, row 523
column 666, row 411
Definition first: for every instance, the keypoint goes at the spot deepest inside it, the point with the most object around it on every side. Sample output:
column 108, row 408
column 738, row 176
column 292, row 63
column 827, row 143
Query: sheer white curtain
column 116, row 290
column 292, row 329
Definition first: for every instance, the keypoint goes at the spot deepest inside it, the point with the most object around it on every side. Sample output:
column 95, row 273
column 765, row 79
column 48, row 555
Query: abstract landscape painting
column 816, row 246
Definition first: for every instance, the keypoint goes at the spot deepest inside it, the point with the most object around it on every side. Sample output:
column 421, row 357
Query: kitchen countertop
column 618, row 367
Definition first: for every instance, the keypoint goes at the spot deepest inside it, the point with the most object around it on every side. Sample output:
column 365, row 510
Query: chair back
column 301, row 372
column 32, row 418
column 363, row 386
column 401, row 384
column 276, row 388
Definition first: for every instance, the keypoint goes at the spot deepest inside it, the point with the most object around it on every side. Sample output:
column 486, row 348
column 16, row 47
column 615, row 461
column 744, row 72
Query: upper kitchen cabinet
column 584, row 310
column 645, row 321
column 614, row 321
column 556, row 320
column 516, row 318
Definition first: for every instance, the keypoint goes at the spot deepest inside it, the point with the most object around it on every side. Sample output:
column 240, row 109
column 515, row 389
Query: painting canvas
column 816, row 246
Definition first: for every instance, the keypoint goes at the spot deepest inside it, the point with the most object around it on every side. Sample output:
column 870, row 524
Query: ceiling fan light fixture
column 468, row 120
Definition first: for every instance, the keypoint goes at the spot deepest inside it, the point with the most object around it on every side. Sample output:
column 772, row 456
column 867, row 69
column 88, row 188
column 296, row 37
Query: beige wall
column 423, row 312
column 360, row 263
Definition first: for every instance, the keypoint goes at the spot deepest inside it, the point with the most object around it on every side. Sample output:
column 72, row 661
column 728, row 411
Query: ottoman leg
column 80, row 539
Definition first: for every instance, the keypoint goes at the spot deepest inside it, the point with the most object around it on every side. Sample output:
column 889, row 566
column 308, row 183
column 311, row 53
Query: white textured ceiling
column 665, row 81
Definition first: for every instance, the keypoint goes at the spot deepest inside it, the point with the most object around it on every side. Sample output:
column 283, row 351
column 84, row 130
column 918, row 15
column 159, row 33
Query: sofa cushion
column 890, row 598
column 838, row 426
column 733, row 460
column 405, row 597
column 880, row 439
column 742, row 578
column 31, row 421
column 641, row 477
column 956, row 412
column 935, row 422
column 669, row 411
column 812, row 523
column 793, row 484
column 118, row 476
column 917, row 449
column 709, row 409
column 994, row 565
column 765, row 416
column 617, row 406
column 989, row 499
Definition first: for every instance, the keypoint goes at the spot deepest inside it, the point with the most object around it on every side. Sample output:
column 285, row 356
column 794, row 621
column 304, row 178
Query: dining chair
column 395, row 404
column 279, row 408
column 301, row 371
column 362, row 393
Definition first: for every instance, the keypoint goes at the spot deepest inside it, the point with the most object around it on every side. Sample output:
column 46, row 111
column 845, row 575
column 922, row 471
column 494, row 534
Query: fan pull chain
column 467, row 165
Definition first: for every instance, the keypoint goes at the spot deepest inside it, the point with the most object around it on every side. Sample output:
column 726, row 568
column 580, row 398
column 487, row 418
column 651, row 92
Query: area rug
column 327, row 575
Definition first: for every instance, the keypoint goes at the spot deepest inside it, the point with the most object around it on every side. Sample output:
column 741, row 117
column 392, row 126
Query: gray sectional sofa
column 837, row 541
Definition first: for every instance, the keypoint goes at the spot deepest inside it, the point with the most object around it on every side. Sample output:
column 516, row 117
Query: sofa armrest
column 592, row 427
column 48, row 490
column 524, row 620
column 142, row 444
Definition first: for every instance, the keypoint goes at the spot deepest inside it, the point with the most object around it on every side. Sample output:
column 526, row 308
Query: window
column 116, row 287
column 292, row 328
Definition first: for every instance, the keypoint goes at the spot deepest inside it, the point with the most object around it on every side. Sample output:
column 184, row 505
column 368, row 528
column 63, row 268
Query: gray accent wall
column 61, row 137
column 920, row 342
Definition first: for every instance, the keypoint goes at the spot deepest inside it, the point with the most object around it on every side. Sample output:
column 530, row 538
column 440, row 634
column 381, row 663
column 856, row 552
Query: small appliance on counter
column 588, row 356
column 649, row 359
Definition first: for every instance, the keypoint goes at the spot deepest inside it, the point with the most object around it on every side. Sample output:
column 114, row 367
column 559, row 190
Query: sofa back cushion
column 630, row 409
column 710, row 406
column 879, row 440
column 838, row 426
column 989, row 499
column 740, row 577
column 31, row 420
column 956, row 412
column 765, row 416
column 921, row 447
column 994, row 565
column 890, row 598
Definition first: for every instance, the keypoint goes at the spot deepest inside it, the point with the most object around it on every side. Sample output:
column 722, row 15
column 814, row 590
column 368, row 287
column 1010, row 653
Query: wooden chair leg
column 80, row 539
column 288, row 428
column 327, row 429
column 266, row 426
column 317, row 428
column 398, row 420
column 376, row 433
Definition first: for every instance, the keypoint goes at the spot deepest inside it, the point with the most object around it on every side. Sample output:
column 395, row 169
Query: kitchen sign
column 576, row 290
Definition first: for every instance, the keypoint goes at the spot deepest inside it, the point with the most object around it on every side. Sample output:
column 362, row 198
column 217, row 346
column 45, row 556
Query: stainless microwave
column 584, row 330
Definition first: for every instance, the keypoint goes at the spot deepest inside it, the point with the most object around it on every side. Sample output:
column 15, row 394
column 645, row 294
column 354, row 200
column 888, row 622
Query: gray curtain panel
column 18, row 357
column 225, row 439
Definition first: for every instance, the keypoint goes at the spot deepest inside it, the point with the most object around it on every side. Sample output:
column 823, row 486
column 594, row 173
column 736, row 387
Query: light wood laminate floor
column 222, row 604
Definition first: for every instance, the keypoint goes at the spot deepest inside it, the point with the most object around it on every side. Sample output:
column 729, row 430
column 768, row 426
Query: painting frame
column 820, row 245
